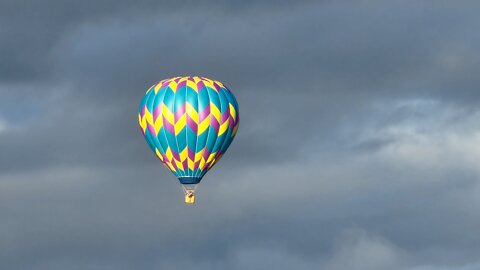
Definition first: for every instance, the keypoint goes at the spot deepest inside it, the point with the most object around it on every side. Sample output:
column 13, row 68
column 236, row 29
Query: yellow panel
column 180, row 124
column 158, row 124
column 223, row 127
column 169, row 154
column 192, row 113
column 215, row 112
column 192, row 85
column 204, row 125
column 211, row 163
column 159, row 155
column 219, row 83
column 233, row 113
column 173, row 86
column 212, row 155
column 168, row 114
column 142, row 122
column 184, row 154
column 171, row 166
column 191, row 164
column 202, row 164
column 179, row 165
column 148, row 116
column 199, row 155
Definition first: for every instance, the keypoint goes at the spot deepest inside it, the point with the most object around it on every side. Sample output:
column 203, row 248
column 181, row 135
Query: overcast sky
column 358, row 147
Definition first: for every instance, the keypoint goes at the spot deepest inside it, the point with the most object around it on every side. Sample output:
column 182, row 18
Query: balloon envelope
column 188, row 122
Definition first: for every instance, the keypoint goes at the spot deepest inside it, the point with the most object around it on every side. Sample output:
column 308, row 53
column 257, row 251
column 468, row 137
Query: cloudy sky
column 358, row 147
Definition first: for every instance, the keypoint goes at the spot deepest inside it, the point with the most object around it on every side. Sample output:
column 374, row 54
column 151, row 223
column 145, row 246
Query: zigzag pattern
column 189, row 122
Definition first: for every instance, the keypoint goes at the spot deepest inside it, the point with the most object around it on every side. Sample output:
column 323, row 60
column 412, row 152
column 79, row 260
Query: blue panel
column 158, row 98
column 149, row 140
column 182, row 139
column 168, row 98
column 203, row 99
column 189, row 180
column 162, row 139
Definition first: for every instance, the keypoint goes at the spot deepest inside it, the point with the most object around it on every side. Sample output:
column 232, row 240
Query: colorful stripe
column 189, row 122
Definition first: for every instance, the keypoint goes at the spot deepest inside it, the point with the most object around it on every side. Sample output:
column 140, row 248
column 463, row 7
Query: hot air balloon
column 189, row 123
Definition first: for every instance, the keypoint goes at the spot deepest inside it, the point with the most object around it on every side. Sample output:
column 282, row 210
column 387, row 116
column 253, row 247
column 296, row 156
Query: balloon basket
column 189, row 191
column 190, row 199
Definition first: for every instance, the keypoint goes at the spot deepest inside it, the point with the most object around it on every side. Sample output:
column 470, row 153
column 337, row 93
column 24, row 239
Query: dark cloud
column 357, row 147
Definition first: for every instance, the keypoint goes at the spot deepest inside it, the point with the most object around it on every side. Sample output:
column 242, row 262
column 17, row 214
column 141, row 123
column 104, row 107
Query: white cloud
column 362, row 251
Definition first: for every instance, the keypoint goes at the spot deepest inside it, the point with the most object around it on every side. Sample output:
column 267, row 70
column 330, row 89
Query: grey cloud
column 353, row 115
